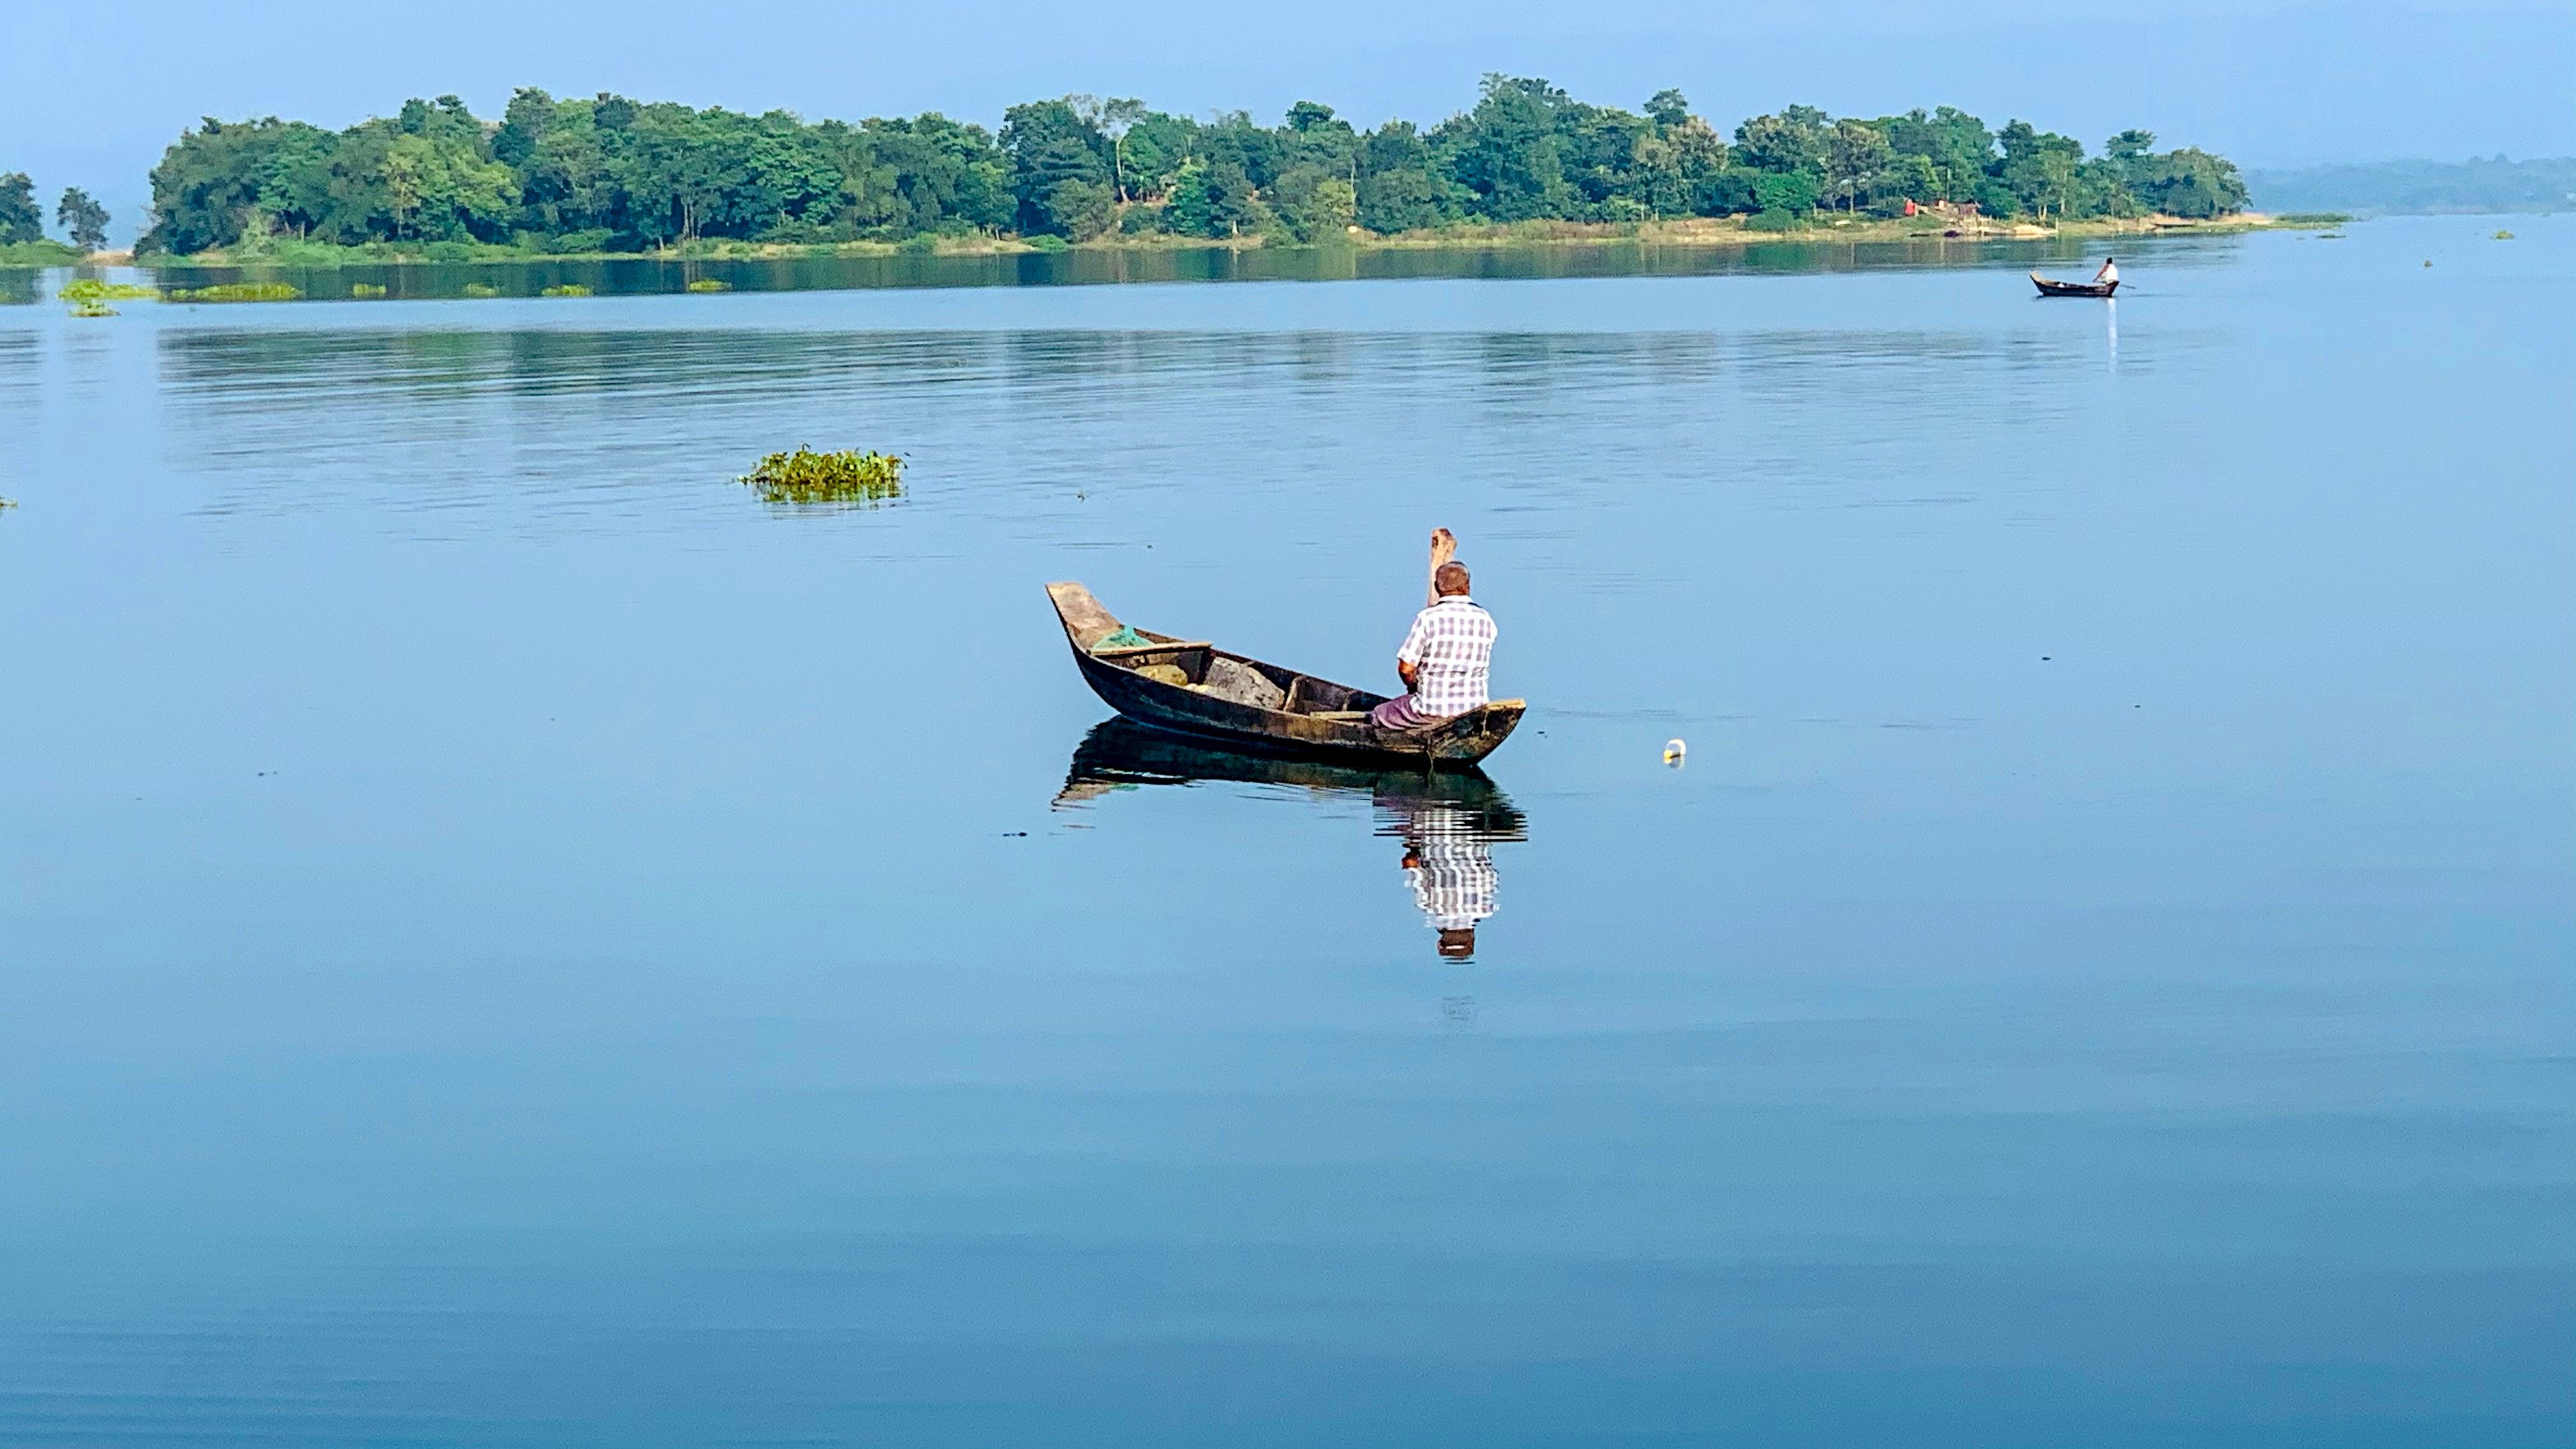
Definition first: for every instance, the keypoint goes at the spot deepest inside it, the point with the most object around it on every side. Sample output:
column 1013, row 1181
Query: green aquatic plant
column 805, row 476
column 89, row 296
column 2504, row 236
column 565, row 289
column 366, row 289
column 481, row 289
column 235, row 292
column 710, row 284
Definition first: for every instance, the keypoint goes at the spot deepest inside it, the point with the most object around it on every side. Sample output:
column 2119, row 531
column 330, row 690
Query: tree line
column 613, row 174
column 22, row 217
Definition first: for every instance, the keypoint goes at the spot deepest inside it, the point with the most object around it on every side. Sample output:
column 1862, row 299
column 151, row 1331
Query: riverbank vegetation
column 612, row 175
column 23, row 242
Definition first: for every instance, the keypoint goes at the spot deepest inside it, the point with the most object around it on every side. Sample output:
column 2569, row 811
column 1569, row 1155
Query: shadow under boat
column 1448, row 820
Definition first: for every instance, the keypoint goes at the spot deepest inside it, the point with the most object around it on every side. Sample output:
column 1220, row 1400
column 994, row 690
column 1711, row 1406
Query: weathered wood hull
column 2049, row 288
column 1320, row 717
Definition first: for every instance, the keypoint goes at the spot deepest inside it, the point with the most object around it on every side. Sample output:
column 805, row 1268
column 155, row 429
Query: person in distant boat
column 1447, row 656
column 2110, row 273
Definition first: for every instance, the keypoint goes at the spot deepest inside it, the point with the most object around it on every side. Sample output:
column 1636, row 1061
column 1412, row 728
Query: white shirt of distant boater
column 2110, row 272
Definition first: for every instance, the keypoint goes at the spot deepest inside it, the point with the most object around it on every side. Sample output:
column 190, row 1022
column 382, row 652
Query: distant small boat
column 2048, row 288
column 1303, row 713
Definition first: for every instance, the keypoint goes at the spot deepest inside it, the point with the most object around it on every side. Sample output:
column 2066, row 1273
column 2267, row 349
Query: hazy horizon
column 2271, row 87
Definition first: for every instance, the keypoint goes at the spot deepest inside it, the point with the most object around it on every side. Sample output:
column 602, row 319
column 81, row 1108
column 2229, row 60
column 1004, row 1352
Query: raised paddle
column 1444, row 547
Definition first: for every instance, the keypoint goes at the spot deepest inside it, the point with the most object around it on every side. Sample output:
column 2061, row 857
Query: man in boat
column 2110, row 273
column 1446, row 657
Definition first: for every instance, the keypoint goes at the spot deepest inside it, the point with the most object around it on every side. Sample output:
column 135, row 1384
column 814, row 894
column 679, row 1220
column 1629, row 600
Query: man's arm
column 1408, row 655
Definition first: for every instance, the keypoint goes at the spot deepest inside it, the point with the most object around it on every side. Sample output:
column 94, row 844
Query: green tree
column 1213, row 198
column 1857, row 161
column 1052, row 146
column 1795, row 192
column 1506, row 152
column 2191, row 182
column 1154, row 149
column 1792, row 140
column 20, row 218
column 221, row 176
column 82, row 219
column 1314, row 203
column 1668, row 108
column 2039, row 168
column 1112, row 118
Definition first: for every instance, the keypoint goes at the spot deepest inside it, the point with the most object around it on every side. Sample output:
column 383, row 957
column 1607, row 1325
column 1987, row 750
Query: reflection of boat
column 1448, row 820
column 1214, row 690
column 2049, row 288
column 1120, row 753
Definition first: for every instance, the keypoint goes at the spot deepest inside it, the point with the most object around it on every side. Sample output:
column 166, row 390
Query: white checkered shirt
column 1452, row 643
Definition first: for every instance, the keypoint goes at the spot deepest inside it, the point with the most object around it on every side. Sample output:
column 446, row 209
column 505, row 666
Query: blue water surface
column 510, row 941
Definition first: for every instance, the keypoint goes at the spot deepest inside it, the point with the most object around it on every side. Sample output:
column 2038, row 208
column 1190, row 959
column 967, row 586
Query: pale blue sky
column 90, row 97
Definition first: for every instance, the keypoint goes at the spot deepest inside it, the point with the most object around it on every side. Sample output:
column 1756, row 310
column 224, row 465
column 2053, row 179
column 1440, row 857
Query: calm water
column 511, row 942
column 646, row 276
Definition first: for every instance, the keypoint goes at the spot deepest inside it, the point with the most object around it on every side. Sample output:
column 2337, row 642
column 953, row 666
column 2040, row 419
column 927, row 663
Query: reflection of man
column 1452, row 870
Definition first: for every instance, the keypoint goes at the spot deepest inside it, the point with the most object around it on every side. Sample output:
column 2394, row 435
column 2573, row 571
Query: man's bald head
column 1451, row 579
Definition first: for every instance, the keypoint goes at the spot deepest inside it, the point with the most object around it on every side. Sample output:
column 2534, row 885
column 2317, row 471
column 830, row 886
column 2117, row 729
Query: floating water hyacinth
column 366, row 289
column 566, row 289
column 710, row 284
column 805, row 476
column 481, row 289
column 89, row 296
column 235, row 292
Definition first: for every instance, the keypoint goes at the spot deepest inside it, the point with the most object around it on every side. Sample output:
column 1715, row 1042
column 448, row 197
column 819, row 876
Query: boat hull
column 1322, row 717
column 2050, row 288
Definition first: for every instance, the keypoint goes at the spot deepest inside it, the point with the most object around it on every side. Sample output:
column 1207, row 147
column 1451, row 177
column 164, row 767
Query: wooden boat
column 2049, row 288
column 1311, row 715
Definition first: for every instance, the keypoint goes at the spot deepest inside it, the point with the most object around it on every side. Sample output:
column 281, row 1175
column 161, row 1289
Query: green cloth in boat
column 1125, row 638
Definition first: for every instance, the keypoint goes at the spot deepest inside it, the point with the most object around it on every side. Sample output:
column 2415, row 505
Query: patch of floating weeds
column 849, row 476
column 235, row 292
column 481, row 289
column 710, row 284
column 366, row 290
column 2504, row 236
column 567, row 289
column 89, row 296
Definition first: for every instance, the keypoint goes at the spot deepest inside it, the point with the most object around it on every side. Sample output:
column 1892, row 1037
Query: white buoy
column 1673, row 752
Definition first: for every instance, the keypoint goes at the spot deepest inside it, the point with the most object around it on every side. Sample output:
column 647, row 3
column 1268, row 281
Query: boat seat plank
column 1123, row 651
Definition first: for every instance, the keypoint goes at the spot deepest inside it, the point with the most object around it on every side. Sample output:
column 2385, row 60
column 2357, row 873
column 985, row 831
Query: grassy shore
column 45, row 253
column 1693, row 232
